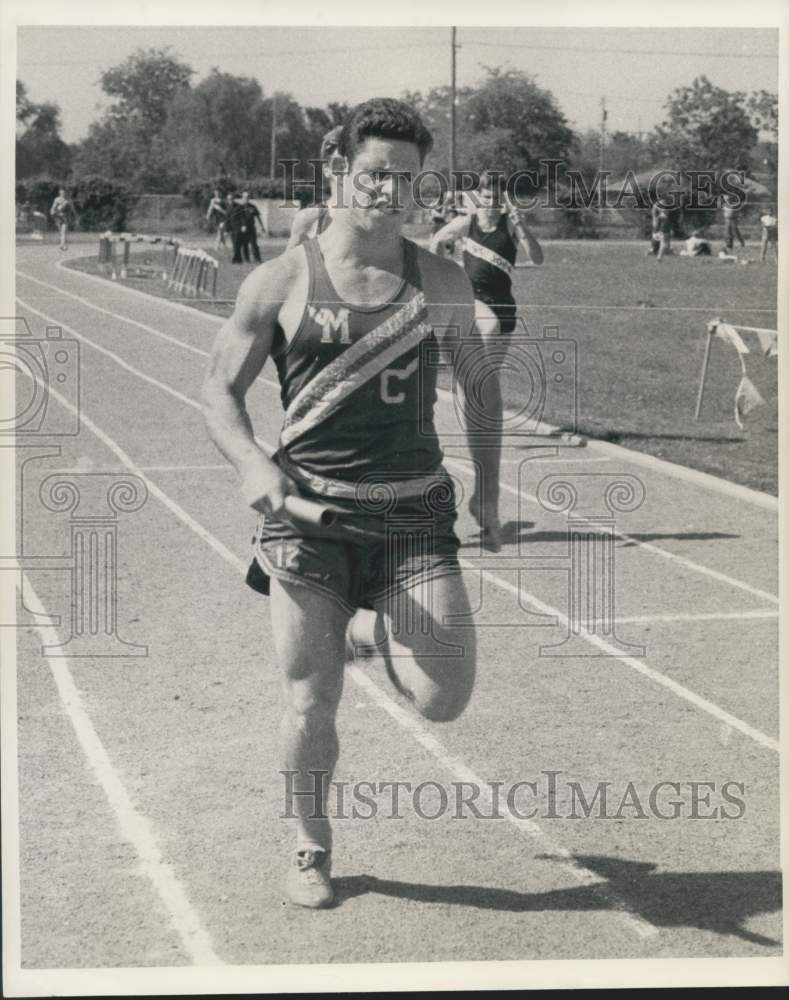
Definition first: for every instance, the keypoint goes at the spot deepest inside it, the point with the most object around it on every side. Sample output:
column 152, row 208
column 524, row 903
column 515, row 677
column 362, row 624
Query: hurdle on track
column 115, row 251
column 192, row 272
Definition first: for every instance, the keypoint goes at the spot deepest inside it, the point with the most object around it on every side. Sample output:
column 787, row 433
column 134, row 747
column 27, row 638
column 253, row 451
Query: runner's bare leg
column 309, row 636
column 484, row 503
column 430, row 657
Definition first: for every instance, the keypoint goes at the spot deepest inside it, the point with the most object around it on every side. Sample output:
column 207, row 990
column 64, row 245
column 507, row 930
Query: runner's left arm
column 525, row 237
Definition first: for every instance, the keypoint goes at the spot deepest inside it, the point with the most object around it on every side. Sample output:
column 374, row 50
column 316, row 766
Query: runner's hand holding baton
column 269, row 491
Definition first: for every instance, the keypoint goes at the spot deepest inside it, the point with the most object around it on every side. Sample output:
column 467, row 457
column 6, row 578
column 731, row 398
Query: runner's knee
column 312, row 704
column 445, row 706
column 442, row 685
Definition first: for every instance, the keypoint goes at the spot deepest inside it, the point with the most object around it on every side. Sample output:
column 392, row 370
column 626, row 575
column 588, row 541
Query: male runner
column 216, row 215
column 351, row 320
column 62, row 212
column 311, row 222
column 490, row 235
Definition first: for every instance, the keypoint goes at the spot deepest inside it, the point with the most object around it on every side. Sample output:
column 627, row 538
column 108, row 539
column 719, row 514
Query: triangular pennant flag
column 768, row 341
column 727, row 332
column 748, row 398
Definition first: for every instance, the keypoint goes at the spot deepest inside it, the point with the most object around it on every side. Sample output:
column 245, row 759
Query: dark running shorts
column 363, row 557
column 505, row 311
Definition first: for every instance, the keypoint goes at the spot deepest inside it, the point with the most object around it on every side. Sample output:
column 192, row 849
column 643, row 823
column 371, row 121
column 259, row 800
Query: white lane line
column 712, row 616
column 696, row 477
column 594, row 640
column 560, row 460
column 526, row 827
column 654, row 675
column 109, row 312
column 153, row 468
column 133, row 825
column 714, row 574
column 521, row 494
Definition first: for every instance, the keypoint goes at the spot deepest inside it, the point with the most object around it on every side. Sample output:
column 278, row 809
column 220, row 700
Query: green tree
column 622, row 151
column 705, row 128
column 129, row 142
column 763, row 109
column 506, row 123
column 39, row 146
column 320, row 120
column 144, row 85
column 222, row 123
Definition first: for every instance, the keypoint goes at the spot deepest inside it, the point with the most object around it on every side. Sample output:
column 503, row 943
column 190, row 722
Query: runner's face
column 488, row 210
column 378, row 193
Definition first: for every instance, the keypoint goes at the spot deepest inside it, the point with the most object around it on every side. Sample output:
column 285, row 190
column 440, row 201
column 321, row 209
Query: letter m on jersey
column 331, row 323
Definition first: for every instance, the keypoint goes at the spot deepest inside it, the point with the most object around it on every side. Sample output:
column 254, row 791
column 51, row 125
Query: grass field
column 639, row 330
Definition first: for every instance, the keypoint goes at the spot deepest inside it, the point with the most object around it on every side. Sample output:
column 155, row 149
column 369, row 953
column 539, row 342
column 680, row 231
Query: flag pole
column 453, row 97
column 711, row 327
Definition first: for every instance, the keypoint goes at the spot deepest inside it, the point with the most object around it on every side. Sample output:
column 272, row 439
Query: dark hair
column 330, row 141
column 384, row 118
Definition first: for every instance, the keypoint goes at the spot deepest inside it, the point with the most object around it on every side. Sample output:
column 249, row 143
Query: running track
column 149, row 798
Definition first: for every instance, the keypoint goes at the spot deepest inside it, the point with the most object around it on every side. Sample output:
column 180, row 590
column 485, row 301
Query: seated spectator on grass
column 696, row 245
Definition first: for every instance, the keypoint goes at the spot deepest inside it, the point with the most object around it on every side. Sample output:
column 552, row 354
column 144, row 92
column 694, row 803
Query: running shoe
column 309, row 879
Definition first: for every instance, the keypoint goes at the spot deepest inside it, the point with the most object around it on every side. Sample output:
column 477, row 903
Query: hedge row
column 103, row 204
column 100, row 203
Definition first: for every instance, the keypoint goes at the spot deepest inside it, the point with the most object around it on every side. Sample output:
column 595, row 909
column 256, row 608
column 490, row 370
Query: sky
column 634, row 69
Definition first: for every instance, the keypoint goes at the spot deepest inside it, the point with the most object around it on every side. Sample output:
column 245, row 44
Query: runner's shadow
column 519, row 531
column 719, row 902
column 511, row 532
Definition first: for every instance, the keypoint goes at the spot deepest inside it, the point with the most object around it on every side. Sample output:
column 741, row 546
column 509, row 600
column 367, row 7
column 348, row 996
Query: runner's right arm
column 303, row 221
column 241, row 349
column 452, row 231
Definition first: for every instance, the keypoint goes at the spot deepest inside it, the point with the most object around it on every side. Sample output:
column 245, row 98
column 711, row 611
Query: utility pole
column 453, row 89
column 603, row 119
column 273, row 168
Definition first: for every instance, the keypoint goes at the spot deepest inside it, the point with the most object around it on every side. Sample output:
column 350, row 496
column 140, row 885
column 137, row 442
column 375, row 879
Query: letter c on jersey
column 399, row 373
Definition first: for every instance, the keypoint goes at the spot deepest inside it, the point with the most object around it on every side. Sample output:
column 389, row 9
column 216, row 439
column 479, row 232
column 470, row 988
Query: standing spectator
column 24, row 216
column 62, row 213
column 769, row 223
column 654, row 242
column 661, row 231
column 235, row 225
column 216, row 216
column 251, row 218
column 730, row 228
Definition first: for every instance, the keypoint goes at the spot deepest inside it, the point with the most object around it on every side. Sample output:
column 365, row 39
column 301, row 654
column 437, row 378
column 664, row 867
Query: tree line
column 162, row 133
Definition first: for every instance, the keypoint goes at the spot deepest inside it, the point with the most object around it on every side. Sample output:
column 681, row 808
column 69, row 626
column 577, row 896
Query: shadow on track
column 521, row 531
column 720, row 902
